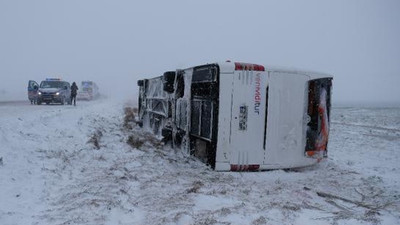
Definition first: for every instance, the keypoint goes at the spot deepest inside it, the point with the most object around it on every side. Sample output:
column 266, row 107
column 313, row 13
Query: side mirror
column 168, row 81
column 65, row 88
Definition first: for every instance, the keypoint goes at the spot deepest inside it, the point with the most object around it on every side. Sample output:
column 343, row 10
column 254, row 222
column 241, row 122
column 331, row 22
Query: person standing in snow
column 74, row 90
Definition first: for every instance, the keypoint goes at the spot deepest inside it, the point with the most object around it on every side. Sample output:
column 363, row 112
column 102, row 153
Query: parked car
column 51, row 90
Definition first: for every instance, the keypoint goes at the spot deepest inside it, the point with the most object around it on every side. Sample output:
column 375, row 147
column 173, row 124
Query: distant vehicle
column 240, row 116
column 51, row 90
column 33, row 89
column 88, row 90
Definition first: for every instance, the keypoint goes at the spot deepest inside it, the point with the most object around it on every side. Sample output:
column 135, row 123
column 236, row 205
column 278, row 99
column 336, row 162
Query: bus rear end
column 271, row 119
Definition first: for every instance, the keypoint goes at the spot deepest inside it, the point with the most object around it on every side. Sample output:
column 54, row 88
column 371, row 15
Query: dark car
column 54, row 90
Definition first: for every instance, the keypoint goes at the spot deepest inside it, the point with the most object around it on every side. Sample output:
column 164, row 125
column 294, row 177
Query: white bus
column 240, row 116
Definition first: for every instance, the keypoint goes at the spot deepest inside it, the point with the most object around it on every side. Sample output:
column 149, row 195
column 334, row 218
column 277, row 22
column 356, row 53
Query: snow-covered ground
column 72, row 165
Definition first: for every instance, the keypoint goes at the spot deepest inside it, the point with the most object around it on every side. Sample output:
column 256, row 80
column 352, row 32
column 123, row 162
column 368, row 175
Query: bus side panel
column 224, row 122
column 286, row 121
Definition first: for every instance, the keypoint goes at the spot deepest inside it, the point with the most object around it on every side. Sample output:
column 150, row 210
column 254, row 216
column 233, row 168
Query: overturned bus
column 240, row 116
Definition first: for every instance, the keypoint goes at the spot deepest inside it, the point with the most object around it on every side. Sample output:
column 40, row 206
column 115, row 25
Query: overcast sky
column 118, row 42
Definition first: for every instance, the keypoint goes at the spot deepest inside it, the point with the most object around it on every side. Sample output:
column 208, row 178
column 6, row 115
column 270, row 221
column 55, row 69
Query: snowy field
column 73, row 165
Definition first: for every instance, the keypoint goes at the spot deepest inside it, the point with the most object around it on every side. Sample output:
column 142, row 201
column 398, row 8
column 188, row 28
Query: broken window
column 318, row 112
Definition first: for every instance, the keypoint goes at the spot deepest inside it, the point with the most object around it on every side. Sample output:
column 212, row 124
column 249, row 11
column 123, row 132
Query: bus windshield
column 319, row 104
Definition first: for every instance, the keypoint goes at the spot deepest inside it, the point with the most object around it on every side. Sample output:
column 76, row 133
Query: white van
column 88, row 90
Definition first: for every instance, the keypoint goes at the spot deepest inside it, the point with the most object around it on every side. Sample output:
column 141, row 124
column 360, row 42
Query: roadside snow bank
column 55, row 173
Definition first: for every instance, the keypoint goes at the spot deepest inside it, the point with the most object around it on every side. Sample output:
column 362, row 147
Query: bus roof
column 230, row 67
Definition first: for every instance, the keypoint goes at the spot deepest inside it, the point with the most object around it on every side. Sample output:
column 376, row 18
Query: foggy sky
column 118, row 42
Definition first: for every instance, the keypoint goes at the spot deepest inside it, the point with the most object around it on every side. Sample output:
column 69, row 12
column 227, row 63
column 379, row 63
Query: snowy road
column 72, row 165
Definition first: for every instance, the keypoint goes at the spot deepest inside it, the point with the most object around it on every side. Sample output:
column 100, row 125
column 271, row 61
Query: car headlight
column 39, row 93
column 57, row 93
